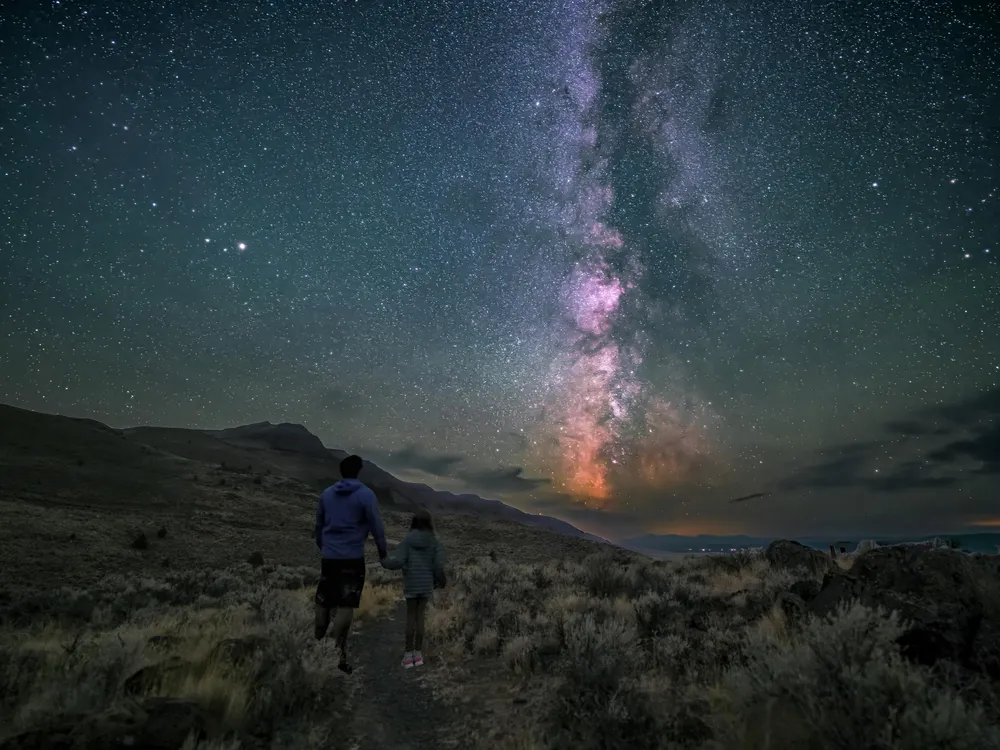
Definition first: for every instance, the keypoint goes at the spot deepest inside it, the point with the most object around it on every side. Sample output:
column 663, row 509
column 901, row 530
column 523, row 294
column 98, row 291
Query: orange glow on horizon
column 694, row 528
column 988, row 522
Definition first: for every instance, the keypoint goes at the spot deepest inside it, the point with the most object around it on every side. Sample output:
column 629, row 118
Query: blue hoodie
column 347, row 512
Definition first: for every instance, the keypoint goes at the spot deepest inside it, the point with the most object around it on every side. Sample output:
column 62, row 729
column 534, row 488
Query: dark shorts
column 340, row 583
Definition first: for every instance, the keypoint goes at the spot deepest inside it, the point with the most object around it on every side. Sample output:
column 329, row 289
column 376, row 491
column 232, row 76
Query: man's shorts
column 341, row 583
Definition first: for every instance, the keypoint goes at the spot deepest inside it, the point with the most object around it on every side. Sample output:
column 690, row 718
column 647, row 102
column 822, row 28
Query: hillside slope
column 76, row 495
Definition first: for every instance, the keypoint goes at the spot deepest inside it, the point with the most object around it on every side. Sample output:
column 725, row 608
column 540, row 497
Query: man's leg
column 322, row 621
column 342, row 621
column 411, row 623
column 418, row 630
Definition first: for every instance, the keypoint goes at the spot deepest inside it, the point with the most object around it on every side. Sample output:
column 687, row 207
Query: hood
column 346, row 487
column 420, row 539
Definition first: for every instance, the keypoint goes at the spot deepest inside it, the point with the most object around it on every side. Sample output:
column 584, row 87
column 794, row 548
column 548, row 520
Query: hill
column 133, row 614
column 76, row 496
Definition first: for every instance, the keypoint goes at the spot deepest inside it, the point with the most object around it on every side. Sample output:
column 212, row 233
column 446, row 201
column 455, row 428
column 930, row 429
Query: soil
column 393, row 707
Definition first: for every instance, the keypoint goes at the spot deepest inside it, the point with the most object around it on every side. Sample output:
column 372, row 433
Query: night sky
column 619, row 262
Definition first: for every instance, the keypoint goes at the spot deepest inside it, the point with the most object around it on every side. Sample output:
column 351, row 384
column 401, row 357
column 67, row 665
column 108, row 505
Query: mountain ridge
column 292, row 450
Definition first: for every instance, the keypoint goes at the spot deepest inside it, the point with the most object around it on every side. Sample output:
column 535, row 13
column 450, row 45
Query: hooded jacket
column 420, row 555
column 347, row 512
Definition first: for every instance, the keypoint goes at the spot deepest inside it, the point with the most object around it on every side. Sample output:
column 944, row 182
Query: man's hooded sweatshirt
column 346, row 514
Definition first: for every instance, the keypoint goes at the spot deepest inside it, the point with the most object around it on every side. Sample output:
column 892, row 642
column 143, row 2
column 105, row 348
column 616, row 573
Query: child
column 421, row 559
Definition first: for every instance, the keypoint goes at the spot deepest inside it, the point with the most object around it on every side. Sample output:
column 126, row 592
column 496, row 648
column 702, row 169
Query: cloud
column 927, row 462
column 752, row 496
column 502, row 479
column 968, row 411
column 604, row 523
column 485, row 479
column 414, row 457
column 984, row 446
column 842, row 467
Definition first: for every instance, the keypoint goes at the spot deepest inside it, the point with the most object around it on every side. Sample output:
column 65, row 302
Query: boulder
column 164, row 642
column 792, row 605
column 792, row 555
column 49, row 739
column 237, row 651
column 148, row 679
column 949, row 601
column 167, row 724
column 806, row 590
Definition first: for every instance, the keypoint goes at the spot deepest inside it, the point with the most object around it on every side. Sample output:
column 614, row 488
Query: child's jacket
column 420, row 556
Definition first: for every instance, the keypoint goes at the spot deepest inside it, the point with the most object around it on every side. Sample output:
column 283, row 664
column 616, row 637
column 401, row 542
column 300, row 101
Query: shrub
column 604, row 576
column 521, row 656
column 843, row 682
column 256, row 559
column 140, row 542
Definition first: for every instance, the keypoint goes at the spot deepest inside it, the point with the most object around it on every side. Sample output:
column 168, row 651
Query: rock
column 791, row 555
column 805, row 590
column 986, row 649
column 792, row 605
column 168, row 723
column 148, row 679
column 256, row 559
column 949, row 601
column 236, row 651
column 47, row 739
column 163, row 641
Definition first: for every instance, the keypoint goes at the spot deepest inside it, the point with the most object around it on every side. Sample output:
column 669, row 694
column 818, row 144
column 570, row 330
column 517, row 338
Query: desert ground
column 156, row 589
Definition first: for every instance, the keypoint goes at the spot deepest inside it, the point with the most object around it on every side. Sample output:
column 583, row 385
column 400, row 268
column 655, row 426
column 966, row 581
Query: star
column 662, row 292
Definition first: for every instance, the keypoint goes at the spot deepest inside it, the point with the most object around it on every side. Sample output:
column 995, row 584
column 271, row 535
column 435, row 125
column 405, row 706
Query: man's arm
column 375, row 524
column 320, row 522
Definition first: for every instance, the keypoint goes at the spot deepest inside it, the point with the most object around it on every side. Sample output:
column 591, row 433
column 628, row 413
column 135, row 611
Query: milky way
column 605, row 422
column 621, row 261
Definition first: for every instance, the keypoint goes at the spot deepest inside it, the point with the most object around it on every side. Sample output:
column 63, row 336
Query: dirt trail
column 392, row 707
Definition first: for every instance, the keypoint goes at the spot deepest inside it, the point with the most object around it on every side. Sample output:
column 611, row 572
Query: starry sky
column 621, row 262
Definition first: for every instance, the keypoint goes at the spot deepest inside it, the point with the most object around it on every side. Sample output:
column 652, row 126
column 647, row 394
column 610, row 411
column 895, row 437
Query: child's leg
column 411, row 622
column 418, row 634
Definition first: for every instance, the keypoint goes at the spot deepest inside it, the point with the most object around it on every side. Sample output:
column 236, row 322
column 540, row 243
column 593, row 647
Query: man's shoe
column 407, row 660
column 418, row 659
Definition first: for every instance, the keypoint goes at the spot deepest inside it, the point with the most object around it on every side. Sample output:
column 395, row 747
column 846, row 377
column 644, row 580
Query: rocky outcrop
column 152, row 677
column 792, row 555
column 238, row 651
column 949, row 600
column 155, row 724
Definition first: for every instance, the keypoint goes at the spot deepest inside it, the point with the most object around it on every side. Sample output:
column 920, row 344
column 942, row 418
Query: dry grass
column 381, row 594
column 236, row 645
column 701, row 654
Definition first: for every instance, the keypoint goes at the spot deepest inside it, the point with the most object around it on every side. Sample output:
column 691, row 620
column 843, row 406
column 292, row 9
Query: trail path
column 392, row 707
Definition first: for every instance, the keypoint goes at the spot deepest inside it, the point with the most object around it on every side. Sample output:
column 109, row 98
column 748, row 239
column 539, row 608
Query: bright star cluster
column 618, row 261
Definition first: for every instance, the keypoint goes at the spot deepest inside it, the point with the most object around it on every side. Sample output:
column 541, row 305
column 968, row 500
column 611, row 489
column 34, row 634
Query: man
column 347, row 512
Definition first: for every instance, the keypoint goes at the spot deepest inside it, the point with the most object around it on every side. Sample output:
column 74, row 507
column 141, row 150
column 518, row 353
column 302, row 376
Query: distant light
column 242, row 246
column 207, row 239
column 874, row 184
